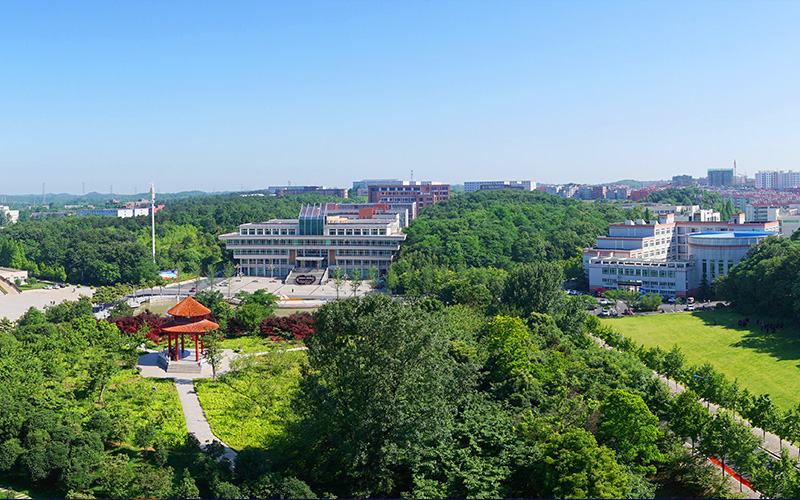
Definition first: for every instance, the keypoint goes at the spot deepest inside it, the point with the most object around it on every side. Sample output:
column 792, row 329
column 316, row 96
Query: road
column 250, row 284
column 770, row 442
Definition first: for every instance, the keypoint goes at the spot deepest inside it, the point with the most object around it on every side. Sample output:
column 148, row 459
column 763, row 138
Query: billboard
column 169, row 274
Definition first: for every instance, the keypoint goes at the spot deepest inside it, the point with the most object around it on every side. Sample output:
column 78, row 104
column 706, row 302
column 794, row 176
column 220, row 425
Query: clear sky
column 230, row 95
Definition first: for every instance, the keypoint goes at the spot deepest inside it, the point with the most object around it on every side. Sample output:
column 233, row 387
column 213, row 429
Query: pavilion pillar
column 182, row 349
column 169, row 344
column 196, row 348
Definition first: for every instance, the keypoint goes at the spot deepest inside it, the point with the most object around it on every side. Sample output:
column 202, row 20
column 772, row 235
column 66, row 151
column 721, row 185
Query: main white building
column 305, row 248
column 670, row 256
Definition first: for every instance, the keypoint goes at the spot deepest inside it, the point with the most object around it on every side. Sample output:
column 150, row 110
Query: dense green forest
column 106, row 250
column 497, row 230
column 480, row 382
column 395, row 399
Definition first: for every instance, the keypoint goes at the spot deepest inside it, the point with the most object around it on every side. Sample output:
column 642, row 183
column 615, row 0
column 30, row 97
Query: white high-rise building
column 777, row 179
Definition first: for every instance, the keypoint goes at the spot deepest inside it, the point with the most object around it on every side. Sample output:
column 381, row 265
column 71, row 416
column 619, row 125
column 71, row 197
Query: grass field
column 252, row 407
column 149, row 400
column 763, row 362
column 251, row 344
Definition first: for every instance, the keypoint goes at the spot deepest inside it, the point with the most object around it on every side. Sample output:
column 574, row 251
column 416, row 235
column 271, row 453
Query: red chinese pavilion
column 189, row 317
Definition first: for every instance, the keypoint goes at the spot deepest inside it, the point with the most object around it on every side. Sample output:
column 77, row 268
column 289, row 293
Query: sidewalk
column 676, row 388
column 196, row 421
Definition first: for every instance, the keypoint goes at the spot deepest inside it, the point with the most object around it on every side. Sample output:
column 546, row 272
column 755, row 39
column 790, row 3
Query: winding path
column 196, row 421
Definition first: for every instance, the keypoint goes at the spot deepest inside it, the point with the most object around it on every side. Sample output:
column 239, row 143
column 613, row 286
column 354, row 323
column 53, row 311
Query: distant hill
column 634, row 184
column 93, row 198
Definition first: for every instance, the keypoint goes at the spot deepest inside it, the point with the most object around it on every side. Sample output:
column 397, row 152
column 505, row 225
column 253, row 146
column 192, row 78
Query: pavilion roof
column 189, row 308
column 196, row 327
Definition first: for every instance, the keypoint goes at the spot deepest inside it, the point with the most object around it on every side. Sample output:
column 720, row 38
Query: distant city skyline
column 224, row 96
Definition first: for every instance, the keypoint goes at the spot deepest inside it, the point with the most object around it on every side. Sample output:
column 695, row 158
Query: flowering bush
column 296, row 326
column 135, row 324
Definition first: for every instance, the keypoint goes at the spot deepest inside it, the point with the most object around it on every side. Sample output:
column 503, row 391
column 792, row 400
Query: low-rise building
column 424, row 193
column 11, row 216
column 315, row 242
column 472, row 186
column 670, row 257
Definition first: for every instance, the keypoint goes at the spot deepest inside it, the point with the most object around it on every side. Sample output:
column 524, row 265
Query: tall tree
column 687, row 417
column 338, row 275
column 576, row 467
column 355, row 280
column 535, row 287
column 381, row 384
column 674, row 360
column 629, row 427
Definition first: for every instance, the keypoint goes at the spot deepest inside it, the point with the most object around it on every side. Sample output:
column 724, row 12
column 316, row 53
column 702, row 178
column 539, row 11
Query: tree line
column 106, row 250
column 721, row 435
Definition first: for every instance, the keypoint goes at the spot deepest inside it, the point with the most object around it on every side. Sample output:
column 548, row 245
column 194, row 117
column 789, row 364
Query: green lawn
column 763, row 363
column 161, row 407
column 251, row 344
column 251, row 407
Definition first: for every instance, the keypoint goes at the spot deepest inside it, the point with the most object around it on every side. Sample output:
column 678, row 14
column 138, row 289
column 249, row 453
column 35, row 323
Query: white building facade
column 315, row 241
column 776, row 179
column 669, row 257
column 472, row 186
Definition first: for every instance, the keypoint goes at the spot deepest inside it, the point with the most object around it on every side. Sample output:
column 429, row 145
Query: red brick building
column 424, row 194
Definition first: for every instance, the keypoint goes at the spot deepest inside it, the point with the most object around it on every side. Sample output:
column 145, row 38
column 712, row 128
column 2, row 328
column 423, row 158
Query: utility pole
column 153, row 217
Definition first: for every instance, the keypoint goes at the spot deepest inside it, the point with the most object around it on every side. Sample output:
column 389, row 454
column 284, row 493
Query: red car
column 628, row 312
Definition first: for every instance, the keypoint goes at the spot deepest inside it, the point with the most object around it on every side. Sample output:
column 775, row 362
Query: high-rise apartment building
column 719, row 177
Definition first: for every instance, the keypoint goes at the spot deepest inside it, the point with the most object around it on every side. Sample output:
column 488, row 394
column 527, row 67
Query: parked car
column 690, row 300
column 690, row 307
column 192, row 290
column 628, row 312
column 604, row 312
column 603, row 301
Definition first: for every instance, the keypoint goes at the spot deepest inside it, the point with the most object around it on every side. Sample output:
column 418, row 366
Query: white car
column 690, row 307
column 603, row 301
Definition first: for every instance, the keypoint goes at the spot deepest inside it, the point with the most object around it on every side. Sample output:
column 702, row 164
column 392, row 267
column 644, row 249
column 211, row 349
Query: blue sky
column 231, row 95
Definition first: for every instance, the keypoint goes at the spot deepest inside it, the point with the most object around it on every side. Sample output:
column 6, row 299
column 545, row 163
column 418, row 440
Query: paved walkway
column 6, row 494
column 196, row 421
column 675, row 388
column 14, row 306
